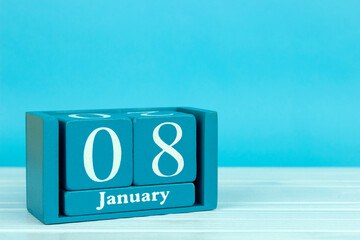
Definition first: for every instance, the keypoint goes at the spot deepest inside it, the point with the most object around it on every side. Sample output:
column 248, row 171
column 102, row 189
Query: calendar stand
column 42, row 166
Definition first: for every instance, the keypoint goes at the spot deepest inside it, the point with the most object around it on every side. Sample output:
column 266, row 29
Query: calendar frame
column 42, row 166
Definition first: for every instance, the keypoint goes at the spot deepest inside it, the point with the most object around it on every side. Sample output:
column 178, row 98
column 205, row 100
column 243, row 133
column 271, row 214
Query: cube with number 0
column 95, row 151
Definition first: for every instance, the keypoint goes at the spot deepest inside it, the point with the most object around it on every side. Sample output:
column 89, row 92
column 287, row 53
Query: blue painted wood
column 134, row 198
column 46, row 162
column 42, row 166
column 175, row 129
column 74, row 133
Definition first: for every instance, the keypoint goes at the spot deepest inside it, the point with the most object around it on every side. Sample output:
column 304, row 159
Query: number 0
column 88, row 155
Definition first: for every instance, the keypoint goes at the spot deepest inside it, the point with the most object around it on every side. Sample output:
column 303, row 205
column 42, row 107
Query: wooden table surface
column 254, row 203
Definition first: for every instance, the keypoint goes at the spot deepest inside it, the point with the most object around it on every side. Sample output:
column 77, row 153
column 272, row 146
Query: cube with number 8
column 95, row 151
column 164, row 147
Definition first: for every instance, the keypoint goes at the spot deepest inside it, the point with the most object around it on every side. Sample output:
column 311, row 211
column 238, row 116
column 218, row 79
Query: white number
column 147, row 113
column 89, row 115
column 167, row 148
column 88, row 155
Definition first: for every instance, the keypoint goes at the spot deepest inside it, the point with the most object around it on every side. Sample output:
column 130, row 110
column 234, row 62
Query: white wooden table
column 254, row 203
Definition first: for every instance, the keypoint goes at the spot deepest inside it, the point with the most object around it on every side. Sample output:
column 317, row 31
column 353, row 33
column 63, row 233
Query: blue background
column 283, row 75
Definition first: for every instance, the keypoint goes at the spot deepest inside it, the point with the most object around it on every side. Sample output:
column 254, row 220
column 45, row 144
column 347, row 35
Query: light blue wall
column 283, row 75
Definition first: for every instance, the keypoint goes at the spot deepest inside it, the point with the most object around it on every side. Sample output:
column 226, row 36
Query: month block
column 164, row 147
column 95, row 151
column 127, row 199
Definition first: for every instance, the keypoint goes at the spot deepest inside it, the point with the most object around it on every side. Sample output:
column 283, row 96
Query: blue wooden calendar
column 117, row 163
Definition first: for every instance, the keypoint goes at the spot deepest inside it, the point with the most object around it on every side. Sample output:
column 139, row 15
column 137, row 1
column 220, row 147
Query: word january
column 132, row 198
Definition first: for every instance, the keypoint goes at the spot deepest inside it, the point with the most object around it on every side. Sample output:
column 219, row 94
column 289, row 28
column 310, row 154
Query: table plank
column 254, row 203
